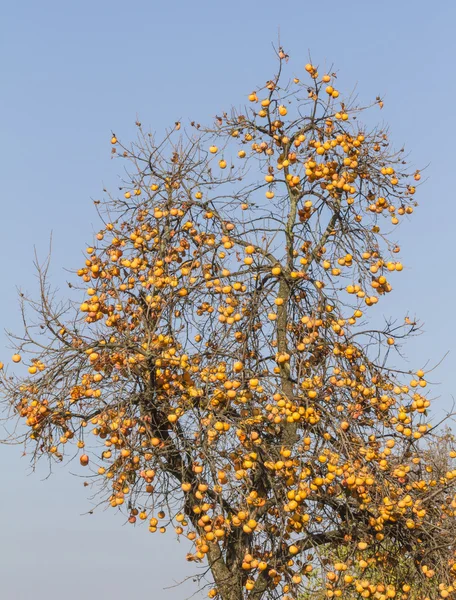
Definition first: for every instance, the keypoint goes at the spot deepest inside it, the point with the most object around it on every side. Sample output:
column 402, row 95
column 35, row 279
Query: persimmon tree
column 224, row 372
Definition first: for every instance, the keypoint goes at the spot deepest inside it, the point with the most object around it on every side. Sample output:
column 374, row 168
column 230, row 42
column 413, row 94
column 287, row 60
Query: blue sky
column 74, row 71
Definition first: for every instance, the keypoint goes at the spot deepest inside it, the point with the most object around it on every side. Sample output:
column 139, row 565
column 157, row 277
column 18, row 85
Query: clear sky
column 74, row 71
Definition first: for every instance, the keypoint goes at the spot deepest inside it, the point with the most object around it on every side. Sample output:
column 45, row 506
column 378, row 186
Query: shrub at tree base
column 221, row 378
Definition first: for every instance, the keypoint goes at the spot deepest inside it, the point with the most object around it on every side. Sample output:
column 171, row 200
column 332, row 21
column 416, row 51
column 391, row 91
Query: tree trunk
column 228, row 583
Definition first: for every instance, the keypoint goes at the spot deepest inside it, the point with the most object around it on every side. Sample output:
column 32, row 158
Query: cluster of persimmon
column 220, row 361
